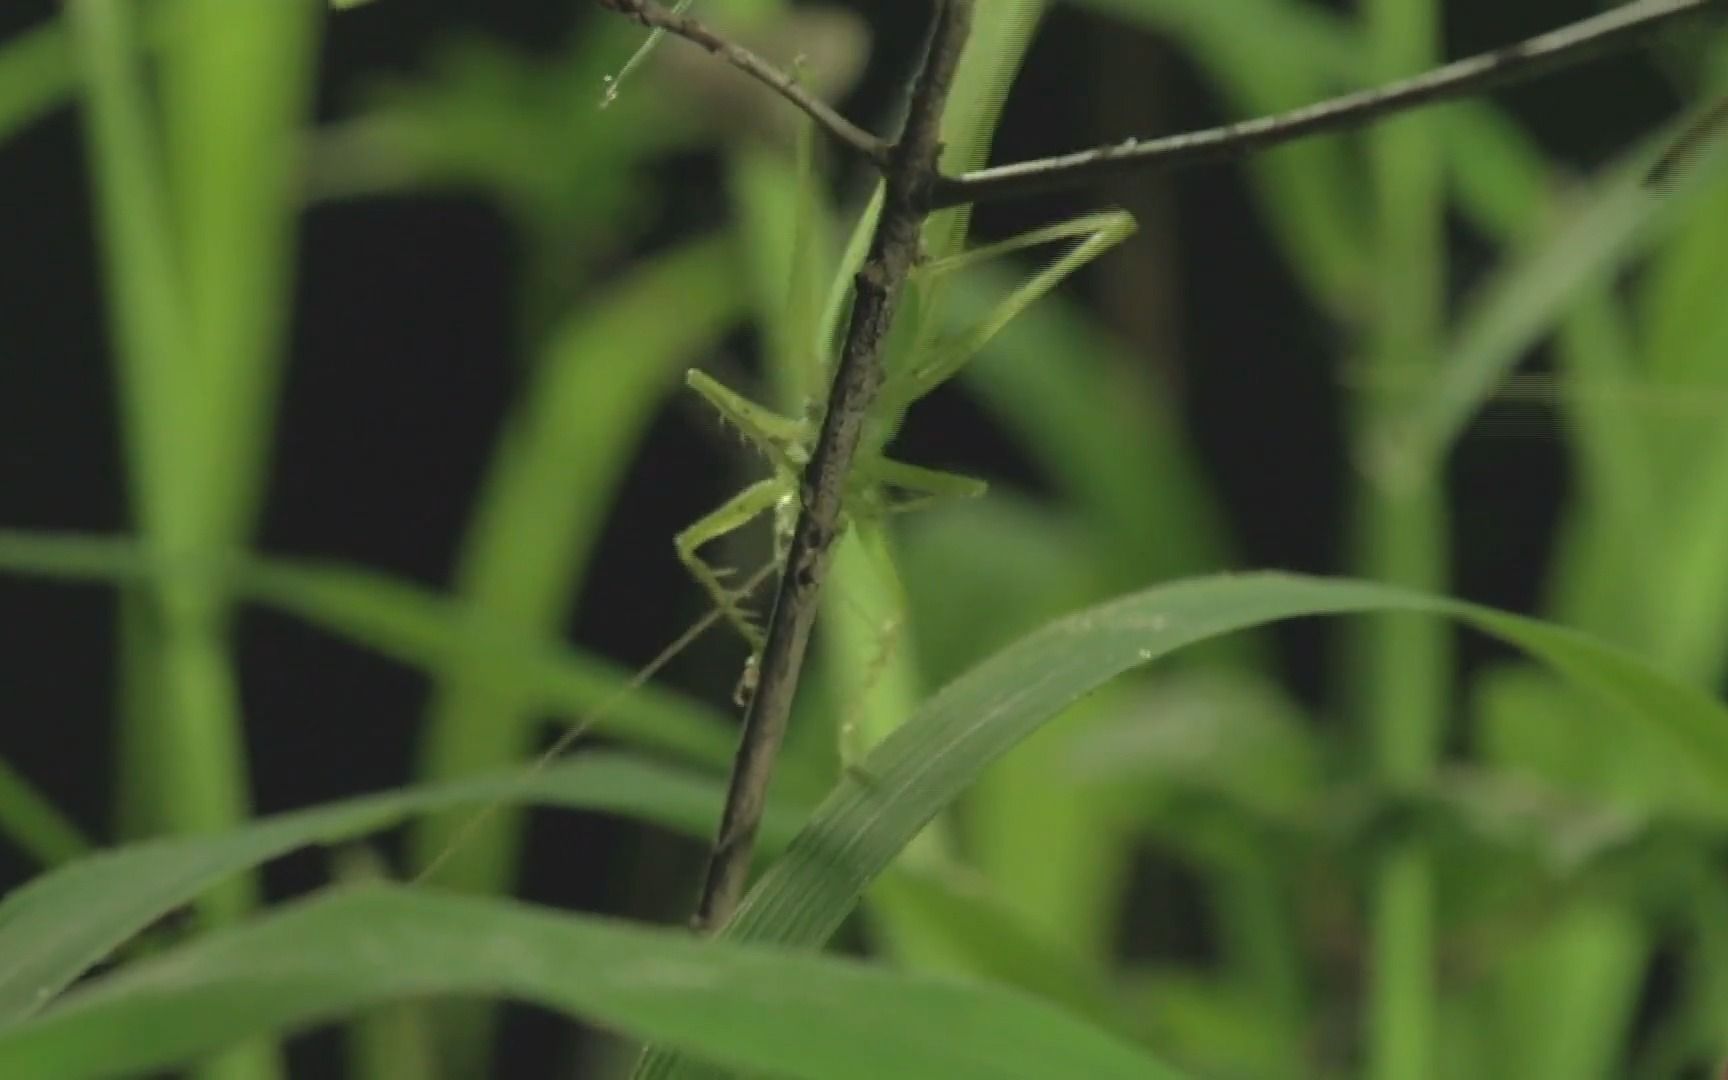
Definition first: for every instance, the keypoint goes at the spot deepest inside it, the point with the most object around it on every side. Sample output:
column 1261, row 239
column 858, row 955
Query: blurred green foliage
column 1425, row 877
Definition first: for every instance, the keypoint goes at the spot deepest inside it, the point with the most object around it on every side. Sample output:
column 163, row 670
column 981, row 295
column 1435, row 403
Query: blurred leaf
column 1609, row 223
column 56, row 927
column 1214, row 1026
column 525, row 131
column 1500, row 177
column 1224, row 733
column 1059, row 849
column 37, row 72
column 1565, row 991
column 236, row 89
column 925, row 765
column 33, row 823
column 1077, row 401
column 755, row 1009
column 414, row 626
column 1268, row 56
column 1527, row 721
column 988, row 936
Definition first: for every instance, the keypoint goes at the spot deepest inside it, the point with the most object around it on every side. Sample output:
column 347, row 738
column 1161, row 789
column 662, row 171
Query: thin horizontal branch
column 656, row 17
column 1566, row 46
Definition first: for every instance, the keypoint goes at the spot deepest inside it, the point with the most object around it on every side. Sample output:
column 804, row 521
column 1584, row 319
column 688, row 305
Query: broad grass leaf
column 759, row 1010
column 938, row 754
column 56, row 927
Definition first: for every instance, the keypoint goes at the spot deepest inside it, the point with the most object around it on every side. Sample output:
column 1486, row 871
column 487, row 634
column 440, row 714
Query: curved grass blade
column 763, row 1011
column 58, row 926
column 1609, row 226
column 930, row 761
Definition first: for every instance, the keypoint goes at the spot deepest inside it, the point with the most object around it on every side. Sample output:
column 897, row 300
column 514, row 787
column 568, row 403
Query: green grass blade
column 59, row 925
column 927, row 764
column 236, row 87
column 1600, row 582
column 1605, row 229
column 38, row 71
column 133, row 208
column 757, row 1010
column 1565, row 997
column 1319, row 45
column 1061, row 850
column 180, row 722
column 1267, row 56
column 988, row 934
column 1057, row 381
column 33, row 823
column 1402, row 530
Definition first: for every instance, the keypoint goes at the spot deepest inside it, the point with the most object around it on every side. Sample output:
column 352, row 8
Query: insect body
column 878, row 486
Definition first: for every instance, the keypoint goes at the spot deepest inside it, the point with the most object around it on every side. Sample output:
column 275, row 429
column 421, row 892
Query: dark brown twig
column 1568, row 45
column 656, row 17
column 909, row 176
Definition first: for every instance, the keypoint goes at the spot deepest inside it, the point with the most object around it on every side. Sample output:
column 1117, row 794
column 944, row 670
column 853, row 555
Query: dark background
column 398, row 379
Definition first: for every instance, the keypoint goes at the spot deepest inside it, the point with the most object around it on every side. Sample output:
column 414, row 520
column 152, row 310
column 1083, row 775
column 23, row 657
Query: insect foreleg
column 734, row 514
column 779, row 439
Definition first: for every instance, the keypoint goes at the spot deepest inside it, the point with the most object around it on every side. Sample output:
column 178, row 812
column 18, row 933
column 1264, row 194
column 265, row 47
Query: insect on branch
column 910, row 173
column 914, row 187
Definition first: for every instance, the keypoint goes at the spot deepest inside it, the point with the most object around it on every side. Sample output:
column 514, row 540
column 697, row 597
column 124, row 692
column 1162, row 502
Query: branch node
column 655, row 17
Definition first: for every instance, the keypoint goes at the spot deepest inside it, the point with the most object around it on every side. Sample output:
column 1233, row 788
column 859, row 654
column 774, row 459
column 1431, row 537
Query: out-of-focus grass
column 1317, row 856
column 194, row 188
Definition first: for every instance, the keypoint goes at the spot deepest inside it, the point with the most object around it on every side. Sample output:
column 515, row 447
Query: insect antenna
column 613, row 82
column 585, row 723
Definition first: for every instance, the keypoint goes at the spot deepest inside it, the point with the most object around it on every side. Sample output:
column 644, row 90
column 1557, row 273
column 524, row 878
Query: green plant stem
column 1406, row 661
column 151, row 336
column 196, row 207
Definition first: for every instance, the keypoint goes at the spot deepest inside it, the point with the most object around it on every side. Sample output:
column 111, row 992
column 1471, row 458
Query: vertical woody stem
column 910, row 179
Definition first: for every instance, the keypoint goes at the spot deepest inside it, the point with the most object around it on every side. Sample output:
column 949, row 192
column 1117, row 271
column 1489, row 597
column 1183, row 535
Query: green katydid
column 919, row 357
column 879, row 486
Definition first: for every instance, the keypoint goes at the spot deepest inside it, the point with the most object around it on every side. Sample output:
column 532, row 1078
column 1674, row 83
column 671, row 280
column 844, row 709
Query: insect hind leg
column 921, row 487
column 1091, row 234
